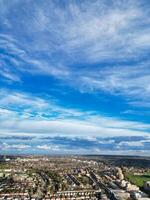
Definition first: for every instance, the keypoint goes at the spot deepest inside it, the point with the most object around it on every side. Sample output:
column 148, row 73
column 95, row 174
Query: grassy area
column 3, row 166
column 83, row 179
column 138, row 179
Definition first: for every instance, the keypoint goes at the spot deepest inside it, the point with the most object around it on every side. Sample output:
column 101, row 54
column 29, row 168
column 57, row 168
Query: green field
column 3, row 166
column 138, row 179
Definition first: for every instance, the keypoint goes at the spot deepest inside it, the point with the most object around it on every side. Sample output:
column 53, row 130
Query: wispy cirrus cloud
column 53, row 43
column 77, row 31
column 129, row 81
column 28, row 114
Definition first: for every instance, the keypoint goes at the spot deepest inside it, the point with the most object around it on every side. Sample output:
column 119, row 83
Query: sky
column 75, row 77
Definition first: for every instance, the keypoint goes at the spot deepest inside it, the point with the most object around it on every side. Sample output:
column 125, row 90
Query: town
column 72, row 177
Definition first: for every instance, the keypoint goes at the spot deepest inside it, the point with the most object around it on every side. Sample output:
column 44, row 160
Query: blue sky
column 75, row 76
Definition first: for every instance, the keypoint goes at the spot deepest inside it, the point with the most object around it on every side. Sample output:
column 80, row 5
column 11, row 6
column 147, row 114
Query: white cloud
column 48, row 147
column 132, row 82
column 6, row 146
column 28, row 105
column 139, row 143
column 91, row 31
column 8, row 98
column 86, row 32
column 131, row 143
column 9, row 75
column 25, row 113
column 7, row 113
